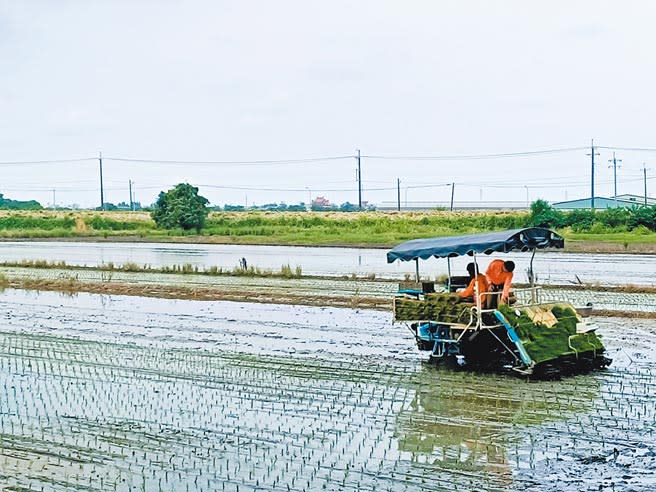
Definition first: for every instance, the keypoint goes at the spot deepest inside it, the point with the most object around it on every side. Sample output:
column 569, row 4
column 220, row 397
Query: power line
column 301, row 160
column 453, row 157
column 228, row 163
column 553, row 182
column 318, row 188
column 461, row 157
column 628, row 149
column 304, row 189
column 51, row 161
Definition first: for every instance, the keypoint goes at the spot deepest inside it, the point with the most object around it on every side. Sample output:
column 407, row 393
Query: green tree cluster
column 619, row 219
column 180, row 207
column 6, row 203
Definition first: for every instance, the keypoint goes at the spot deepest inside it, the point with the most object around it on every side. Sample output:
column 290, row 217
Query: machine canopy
column 489, row 242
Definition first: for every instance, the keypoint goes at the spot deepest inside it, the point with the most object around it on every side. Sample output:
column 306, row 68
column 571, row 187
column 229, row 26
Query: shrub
column 642, row 216
column 580, row 220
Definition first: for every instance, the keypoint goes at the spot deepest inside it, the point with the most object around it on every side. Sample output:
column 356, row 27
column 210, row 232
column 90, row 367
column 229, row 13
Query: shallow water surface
column 551, row 267
column 123, row 393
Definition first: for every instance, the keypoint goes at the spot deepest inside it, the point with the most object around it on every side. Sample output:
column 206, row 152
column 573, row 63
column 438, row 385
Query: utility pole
column 131, row 203
column 592, row 190
column 398, row 194
column 54, row 200
column 359, row 182
column 528, row 204
column 614, row 161
column 102, row 191
column 644, row 177
column 453, row 190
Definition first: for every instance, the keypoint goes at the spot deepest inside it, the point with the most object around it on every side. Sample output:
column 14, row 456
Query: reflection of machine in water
column 529, row 336
column 476, row 423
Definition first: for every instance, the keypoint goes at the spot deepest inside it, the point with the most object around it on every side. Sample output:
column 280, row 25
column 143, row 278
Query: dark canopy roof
column 489, row 242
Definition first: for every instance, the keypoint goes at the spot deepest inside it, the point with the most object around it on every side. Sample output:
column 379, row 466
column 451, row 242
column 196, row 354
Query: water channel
column 551, row 267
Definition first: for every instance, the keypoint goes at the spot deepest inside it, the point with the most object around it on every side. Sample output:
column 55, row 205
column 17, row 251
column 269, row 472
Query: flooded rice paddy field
column 125, row 393
column 552, row 267
column 351, row 292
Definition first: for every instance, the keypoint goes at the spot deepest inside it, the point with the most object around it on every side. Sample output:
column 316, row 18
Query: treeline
column 8, row 204
column 621, row 219
column 334, row 228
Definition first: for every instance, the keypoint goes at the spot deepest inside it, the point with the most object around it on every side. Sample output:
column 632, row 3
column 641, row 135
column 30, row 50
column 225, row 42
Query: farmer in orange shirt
column 499, row 275
column 482, row 284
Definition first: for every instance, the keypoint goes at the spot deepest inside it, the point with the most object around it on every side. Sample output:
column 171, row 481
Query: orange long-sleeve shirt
column 482, row 287
column 496, row 275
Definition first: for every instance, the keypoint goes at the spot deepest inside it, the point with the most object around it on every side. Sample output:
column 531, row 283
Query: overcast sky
column 279, row 80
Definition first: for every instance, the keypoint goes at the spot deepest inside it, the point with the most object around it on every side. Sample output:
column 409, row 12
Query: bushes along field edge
column 374, row 228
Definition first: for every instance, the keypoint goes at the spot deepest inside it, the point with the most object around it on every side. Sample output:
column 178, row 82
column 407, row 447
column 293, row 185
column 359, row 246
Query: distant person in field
column 499, row 276
column 468, row 293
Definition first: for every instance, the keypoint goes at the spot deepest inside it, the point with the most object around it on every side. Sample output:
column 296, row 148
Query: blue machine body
column 440, row 336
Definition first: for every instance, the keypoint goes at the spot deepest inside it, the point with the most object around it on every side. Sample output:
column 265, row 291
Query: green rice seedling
column 286, row 271
column 130, row 267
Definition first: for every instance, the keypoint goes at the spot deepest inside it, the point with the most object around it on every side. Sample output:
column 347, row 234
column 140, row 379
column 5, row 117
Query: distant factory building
column 600, row 202
column 637, row 199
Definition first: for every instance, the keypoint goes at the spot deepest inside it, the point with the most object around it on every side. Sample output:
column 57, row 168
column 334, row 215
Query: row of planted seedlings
column 118, row 417
column 286, row 270
column 125, row 417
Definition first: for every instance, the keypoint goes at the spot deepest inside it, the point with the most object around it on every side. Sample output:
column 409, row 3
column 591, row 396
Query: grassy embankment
column 309, row 228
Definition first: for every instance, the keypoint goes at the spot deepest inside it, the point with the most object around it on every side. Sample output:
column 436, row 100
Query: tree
column 7, row 203
column 544, row 215
column 182, row 207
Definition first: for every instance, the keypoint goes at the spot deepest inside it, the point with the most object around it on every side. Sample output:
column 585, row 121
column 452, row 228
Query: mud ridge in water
column 309, row 292
column 198, row 293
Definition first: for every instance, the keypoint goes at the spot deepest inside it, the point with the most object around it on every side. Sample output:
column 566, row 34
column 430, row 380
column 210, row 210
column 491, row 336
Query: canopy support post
column 531, row 277
column 417, row 269
column 479, row 320
column 448, row 268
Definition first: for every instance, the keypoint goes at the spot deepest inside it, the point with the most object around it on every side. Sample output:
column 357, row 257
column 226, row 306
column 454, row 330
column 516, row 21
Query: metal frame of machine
column 445, row 339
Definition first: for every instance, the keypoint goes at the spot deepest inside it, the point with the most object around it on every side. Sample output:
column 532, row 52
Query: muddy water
column 114, row 393
column 607, row 269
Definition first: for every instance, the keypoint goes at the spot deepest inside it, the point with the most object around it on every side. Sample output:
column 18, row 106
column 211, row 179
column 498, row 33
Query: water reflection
column 479, row 423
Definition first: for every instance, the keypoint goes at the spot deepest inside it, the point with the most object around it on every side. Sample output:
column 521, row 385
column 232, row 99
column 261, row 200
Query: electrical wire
column 229, row 163
column 438, row 157
column 627, row 149
column 317, row 188
column 553, row 182
column 462, row 157
column 52, row 161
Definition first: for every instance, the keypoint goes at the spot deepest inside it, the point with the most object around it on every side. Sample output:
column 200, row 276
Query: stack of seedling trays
column 549, row 334
column 443, row 308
